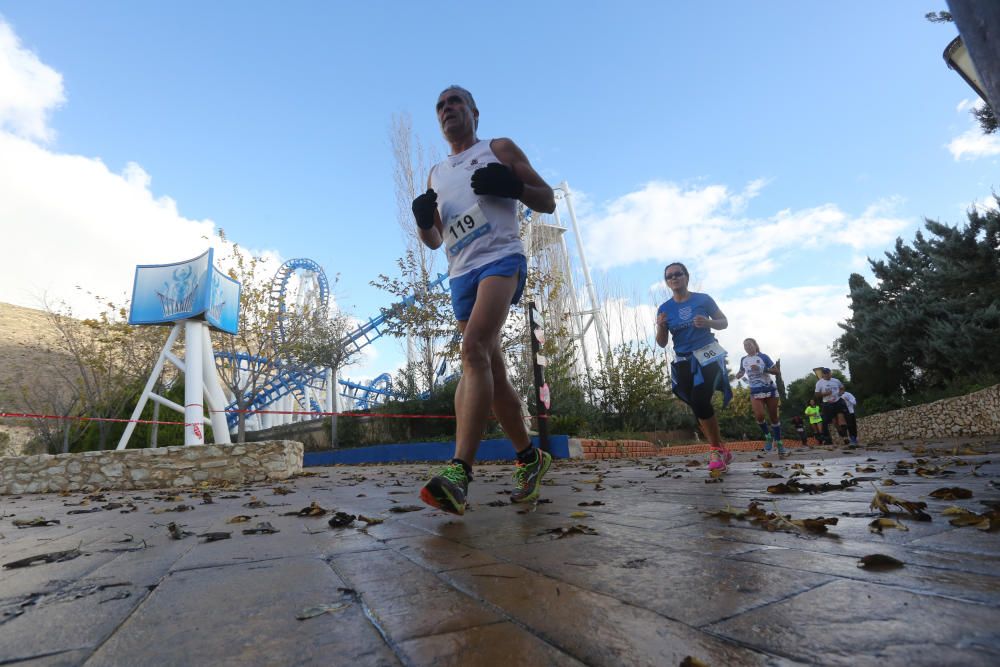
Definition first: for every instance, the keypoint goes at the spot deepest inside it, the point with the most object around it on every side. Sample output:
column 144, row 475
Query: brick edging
column 618, row 449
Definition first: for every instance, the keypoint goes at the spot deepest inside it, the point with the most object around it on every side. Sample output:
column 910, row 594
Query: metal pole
column 194, row 384
column 148, row 389
column 540, row 409
column 214, row 396
column 602, row 333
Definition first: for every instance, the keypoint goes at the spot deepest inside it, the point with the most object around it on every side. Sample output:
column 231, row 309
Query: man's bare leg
column 480, row 339
column 507, row 404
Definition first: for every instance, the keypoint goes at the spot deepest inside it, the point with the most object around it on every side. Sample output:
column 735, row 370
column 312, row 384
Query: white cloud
column 665, row 222
column 796, row 324
column 68, row 220
column 968, row 103
column 29, row 89
column 973, row 144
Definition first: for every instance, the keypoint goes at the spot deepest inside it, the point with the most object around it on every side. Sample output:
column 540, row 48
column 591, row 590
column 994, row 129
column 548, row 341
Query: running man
column 699, row 368
column 758, row 369
column 829, row 390
column 470, row 208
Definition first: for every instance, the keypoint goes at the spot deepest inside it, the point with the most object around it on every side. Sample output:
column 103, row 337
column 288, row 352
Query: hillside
column 28, row 358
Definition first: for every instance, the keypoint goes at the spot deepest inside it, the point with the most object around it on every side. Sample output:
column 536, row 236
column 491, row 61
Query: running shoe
column 447, row 490
column 781, row 449
column 768, row 441
column 528, row 478
column 719, row 458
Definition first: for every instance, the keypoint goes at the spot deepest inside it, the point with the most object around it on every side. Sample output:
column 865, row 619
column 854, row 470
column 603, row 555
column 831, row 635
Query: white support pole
column 602, row 332
column 148, row 389
column 214, row 396
column 575, row 318
column 194, row 384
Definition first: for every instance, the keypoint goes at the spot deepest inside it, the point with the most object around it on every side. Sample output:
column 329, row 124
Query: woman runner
column 700, row 365
column 758, row 368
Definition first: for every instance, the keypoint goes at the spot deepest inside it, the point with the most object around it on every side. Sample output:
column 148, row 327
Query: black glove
column 497, row 180
column 424, row 207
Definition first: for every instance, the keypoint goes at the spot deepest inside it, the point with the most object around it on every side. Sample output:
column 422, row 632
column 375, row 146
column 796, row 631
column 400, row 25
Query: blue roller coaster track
column 293, row 380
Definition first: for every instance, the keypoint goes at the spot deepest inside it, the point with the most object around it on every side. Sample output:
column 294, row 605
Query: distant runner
column 758, row 369
column 829, row 390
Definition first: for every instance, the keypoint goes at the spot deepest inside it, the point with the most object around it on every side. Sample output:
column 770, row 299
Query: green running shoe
column 781, row 449
column 528, row 478
column 448, row 489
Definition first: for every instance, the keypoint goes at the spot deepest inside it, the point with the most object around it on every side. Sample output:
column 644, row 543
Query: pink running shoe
column 719, row 458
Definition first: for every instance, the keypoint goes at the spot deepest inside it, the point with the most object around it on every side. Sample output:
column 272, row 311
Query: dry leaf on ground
column 879, row 562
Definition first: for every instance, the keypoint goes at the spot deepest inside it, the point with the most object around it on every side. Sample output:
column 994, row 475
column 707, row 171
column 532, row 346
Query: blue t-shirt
column 755, row 366
column 680, row 322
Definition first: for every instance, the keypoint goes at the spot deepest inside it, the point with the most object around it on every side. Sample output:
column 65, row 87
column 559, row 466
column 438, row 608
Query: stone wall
column 976, row 414
column 160, row 467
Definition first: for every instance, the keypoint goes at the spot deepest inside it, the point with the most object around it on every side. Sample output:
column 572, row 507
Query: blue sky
column 771, row 146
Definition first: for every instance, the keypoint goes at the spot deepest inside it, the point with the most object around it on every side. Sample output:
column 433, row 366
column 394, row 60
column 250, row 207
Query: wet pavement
column 622, row 564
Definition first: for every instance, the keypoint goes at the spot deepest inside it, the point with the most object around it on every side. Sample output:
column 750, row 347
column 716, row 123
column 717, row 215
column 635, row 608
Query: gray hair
column 466, row 94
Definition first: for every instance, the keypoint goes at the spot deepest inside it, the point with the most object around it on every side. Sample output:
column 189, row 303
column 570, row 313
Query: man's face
column 827, row 375
column 454, row 114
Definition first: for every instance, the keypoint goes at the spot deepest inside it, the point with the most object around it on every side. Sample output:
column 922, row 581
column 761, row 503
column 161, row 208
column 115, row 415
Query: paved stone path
column 658, row 581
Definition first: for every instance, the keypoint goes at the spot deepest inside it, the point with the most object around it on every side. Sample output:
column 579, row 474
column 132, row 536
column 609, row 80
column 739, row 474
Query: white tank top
column 478, row 229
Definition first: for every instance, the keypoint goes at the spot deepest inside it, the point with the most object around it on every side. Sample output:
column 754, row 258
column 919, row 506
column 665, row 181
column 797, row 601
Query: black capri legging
column 700, row 397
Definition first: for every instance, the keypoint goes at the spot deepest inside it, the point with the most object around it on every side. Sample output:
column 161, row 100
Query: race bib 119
column 465, row 228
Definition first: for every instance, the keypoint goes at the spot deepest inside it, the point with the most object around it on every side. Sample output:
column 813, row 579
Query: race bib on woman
column 711, row 353
column 465, row 228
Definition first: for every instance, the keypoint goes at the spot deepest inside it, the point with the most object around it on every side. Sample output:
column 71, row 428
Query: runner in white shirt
column 852, row 419
column 470, row 208
column 758, row 369
column 834, row 409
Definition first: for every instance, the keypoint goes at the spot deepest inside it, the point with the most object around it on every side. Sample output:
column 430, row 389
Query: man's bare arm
column 537, row 195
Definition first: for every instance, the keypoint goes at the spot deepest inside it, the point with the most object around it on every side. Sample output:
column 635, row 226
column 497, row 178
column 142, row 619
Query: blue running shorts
column 465, row 286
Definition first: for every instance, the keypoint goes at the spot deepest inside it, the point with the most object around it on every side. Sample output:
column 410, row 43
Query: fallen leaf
column 51, row 557
column 175, row 531
column 691, row 661
column 399, row 509
column 37, row 522
column 370, row 520
column 215, row 537
column 579, row 515
column 878, row 525
column 262, row 528
column 566, row 531
column 239, row 518
column 889, row 482
column 882, row 500
column 313, row 510
column 319, row 610
column 282, row 490
column 176, row 508
column 593, row 503
column 341, row 520
column 879, row 562
column 951, row 493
